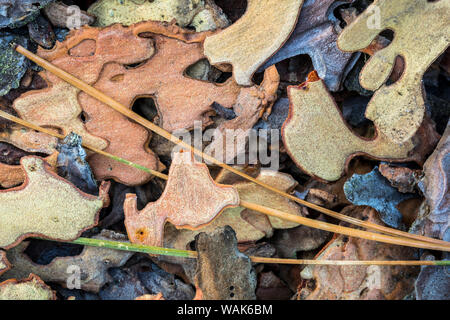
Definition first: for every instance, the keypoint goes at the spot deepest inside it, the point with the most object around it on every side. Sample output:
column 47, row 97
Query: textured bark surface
column 190, row 200
column 321, row 143
column 84, row 54
column 248, row 225
column 421, row 36
column 435, row 186
column 223, row 273
column 315, row 35
column 256, row 36
column 46, row 206
column 200, row 14
column 12, row 175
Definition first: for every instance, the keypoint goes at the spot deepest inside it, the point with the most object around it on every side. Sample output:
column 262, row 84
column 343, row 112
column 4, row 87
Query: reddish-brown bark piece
column 402, row 178
column 99, row 57
column 84, row 54
column 361, row 282
column 191, row 200
column 420, row 37
column 249, row 226
column 28, row 140
column 11, row 175
column 180, row 100
column 4, row 264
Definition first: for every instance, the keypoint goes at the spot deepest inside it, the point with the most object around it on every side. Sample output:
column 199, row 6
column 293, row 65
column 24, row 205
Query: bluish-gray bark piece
column 373, row 190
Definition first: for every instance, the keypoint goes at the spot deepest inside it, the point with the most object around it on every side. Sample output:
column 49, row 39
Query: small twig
column 83, row 86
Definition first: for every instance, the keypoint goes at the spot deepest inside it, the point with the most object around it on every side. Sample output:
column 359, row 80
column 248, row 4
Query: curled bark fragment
column 360, row 282
column 191, row 200
column 402, row 178
column 46, row 206
column 93, row 264
column 13, row 65
column 14, row 175
column 22, row 141
column 320, row 142
column 257, row 35
column 29, row 140
column 223, row 273
column 32, row 288
column 420, row 37
column 4, row 263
